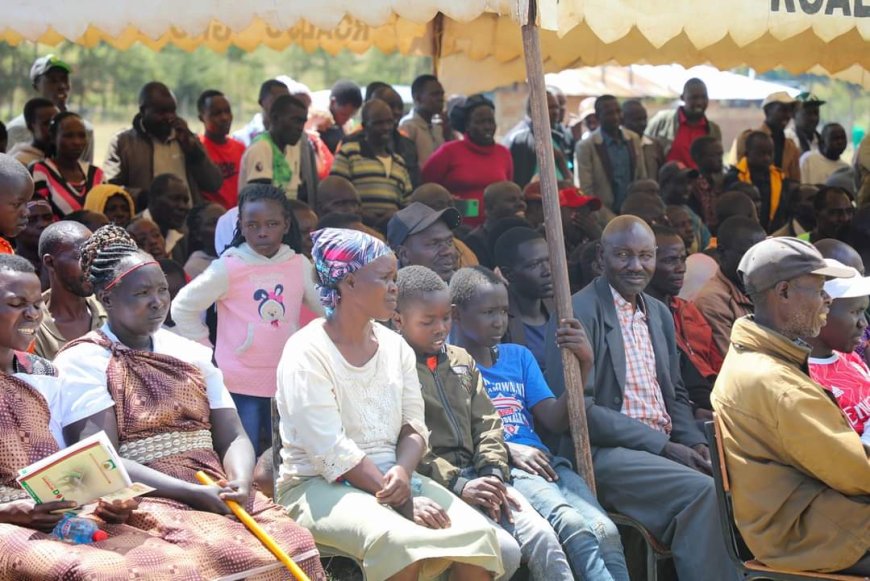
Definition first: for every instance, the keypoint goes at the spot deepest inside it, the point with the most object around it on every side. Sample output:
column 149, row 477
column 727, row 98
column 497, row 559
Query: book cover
column 81, row 473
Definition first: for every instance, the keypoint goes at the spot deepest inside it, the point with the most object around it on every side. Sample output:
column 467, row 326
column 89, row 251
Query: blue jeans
column 256, row 415
column 589, row 537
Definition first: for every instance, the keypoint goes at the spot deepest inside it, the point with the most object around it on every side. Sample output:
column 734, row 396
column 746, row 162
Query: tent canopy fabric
column 476, row 43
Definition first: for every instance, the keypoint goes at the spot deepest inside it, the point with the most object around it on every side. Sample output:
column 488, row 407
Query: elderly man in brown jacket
column 799, row 474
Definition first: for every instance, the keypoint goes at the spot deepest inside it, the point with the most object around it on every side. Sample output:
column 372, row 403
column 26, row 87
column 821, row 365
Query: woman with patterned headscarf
column 353, row 431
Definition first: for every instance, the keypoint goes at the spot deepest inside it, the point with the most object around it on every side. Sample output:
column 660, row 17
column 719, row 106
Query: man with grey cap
column 800, row 477
column 423, row 236
column 49, row 76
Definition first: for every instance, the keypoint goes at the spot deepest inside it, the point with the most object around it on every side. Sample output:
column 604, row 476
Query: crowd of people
column 388, row 288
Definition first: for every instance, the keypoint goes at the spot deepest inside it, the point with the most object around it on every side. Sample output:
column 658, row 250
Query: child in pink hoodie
column 258, row 285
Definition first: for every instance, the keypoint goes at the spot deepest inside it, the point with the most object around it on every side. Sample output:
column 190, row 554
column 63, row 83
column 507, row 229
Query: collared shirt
column 722, row 303
column 426, row 136
column 695, row 337
column 643, row 399
column 686, row 133
column 620, row 164
column 846, row 376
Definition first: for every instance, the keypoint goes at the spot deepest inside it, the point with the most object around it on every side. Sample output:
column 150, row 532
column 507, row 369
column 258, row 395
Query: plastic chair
column 741, row 556
column 656, row 551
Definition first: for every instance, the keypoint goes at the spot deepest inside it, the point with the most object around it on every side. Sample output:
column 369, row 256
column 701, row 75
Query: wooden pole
column 555, row 240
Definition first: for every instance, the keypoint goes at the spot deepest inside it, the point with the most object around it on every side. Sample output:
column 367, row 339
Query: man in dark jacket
column 649, row 456
column 520, row 140
column 159, row 142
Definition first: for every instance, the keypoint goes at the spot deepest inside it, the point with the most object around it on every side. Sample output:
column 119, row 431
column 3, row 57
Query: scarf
column 281, row 172
column 337, row 253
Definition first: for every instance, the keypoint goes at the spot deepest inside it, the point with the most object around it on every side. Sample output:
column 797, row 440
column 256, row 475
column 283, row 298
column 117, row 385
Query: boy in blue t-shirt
column 517, row 388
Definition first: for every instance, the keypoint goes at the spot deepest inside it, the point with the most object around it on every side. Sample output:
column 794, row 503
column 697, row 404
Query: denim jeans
column 529, row 539
column 256, row 415
column 589, row 537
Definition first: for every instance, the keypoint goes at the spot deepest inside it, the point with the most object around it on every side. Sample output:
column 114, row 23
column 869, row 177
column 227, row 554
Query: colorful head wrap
column 337, row 253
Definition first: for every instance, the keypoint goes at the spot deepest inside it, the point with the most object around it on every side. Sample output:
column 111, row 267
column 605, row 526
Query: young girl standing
column 258, row 285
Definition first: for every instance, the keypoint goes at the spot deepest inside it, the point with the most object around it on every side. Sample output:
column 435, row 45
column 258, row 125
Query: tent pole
column 556, row 240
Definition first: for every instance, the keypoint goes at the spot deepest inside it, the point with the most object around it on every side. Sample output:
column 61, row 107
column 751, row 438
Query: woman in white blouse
column 353, row 431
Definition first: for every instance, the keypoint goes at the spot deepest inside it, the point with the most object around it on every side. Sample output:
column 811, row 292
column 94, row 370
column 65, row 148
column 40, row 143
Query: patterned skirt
column 165, row 540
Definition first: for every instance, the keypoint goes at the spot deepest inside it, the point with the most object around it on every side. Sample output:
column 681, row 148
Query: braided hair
column 103, row 253
column 254, row 192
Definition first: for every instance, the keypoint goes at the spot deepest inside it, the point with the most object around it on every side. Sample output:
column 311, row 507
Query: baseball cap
column 44, row 64
column 574, row 198
column 808, row 98
column 532, row 191
column 674, row 168
column 415, row 218
column 778, row 97
column 774, row 260
column 848, row 288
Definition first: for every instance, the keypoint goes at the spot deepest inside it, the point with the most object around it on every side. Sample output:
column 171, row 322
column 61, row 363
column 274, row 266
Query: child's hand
column 533, row 461
column 427, row 513
column 571, row 336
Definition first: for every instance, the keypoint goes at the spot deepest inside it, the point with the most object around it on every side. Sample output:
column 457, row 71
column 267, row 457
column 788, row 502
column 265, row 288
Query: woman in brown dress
column 29, row 405
column 159, row 398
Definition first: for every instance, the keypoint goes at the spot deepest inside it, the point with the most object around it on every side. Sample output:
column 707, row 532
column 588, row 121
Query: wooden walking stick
column 555, row 240
column 258, row 531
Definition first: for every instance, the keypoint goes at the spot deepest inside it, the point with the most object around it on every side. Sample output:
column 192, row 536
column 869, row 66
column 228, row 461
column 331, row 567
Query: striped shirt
column 381, row 186
column 643, row 399
column 64, row 197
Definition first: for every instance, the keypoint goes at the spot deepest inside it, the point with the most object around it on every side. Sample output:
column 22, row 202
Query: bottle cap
column 100, row 536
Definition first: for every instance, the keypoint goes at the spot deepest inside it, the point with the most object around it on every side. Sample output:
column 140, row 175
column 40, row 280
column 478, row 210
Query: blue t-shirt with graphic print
column 515, row 385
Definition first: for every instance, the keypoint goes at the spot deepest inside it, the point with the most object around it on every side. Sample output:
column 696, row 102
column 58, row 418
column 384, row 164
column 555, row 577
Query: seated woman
column 62, row 178
column 353, row 431
column 164, row 405
column 29, row 402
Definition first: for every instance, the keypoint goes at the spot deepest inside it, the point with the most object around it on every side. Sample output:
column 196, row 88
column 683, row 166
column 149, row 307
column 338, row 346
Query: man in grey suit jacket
column 649, row 456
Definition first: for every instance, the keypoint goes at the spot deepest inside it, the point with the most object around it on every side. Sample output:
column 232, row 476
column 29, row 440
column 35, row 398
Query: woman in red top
column 63, row 179
column 466, row 167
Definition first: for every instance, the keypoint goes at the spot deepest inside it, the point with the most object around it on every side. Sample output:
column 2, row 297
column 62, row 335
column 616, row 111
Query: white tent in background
column 664, row 81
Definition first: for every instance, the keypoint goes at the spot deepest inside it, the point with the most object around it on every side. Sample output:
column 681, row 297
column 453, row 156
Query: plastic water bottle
column 78, row 531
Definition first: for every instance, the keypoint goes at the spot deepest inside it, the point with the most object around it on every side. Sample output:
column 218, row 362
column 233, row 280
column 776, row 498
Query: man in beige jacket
column 609, row 158
column 799, row 474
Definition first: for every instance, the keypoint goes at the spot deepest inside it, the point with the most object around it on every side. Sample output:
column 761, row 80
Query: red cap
column 100, row 536
column 574, row 198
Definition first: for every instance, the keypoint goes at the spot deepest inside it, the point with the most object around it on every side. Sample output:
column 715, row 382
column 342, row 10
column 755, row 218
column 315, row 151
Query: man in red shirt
column 226, row 153
column 833, row 362
column 700, row 359
column 677, row 129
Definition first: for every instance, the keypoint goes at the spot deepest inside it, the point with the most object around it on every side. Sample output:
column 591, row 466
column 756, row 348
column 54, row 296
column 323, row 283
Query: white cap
column 848, row 288
column 778, row 97
column 587, row 108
